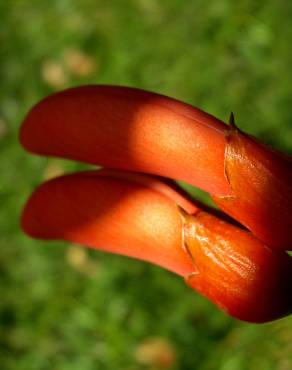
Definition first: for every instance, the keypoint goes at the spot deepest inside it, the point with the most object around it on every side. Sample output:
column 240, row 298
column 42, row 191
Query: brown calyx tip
column 231, row 129
column 183, row 213
column 231, row 135
column 186, row 219
column 231, row 120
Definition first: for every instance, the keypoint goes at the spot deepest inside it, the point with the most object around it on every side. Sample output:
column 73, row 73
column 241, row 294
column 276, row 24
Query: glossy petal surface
column 130, row 129
column 126, row 214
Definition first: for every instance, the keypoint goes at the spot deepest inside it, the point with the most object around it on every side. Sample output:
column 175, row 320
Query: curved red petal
column 130, row 129
column 135, row 216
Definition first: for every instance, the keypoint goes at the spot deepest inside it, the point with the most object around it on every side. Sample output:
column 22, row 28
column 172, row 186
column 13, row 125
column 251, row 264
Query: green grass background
column 63, row 307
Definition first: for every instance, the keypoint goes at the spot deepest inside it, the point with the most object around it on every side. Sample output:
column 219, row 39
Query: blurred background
column 65, row 307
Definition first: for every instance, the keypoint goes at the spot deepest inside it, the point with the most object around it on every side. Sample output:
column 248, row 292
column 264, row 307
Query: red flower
column 136, row 215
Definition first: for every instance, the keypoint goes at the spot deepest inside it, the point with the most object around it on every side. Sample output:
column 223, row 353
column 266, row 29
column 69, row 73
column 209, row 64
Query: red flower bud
column 137, row 215
column 132, row 129
column 118, row 212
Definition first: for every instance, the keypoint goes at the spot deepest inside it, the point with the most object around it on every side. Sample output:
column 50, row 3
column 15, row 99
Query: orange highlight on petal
column 130, row 129
column 133, row 216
